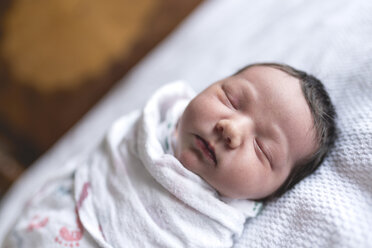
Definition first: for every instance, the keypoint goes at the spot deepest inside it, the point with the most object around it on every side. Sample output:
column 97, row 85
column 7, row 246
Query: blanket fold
column 153, row 200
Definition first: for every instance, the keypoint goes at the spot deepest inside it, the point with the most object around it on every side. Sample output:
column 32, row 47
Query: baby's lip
column 207, row 149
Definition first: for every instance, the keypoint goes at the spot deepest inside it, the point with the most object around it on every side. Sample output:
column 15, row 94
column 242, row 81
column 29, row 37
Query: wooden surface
column 57, row 59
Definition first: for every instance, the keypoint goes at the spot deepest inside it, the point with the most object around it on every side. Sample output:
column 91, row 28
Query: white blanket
column 129, row 193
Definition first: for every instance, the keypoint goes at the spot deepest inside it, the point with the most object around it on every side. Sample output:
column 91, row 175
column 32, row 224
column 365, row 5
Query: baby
column 256, row 134
column 187, row 171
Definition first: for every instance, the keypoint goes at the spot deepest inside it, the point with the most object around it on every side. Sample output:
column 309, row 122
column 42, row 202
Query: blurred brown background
column 58, row 58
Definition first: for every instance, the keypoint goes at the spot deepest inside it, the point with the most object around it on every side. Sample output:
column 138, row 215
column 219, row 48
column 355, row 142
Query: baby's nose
column 229, row 132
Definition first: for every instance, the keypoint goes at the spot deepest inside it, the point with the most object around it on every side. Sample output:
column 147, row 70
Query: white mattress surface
column 330, row 39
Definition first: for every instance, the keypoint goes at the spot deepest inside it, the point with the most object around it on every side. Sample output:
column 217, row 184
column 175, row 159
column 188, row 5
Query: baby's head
column 257, row 133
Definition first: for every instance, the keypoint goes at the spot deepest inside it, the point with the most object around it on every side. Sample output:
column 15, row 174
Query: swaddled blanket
column 130, row 193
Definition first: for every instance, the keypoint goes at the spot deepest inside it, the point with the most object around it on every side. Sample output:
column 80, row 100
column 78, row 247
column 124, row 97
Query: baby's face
column 245, row 133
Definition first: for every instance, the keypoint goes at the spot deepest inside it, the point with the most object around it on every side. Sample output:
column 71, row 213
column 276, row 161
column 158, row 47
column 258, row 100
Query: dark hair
column 324, row 116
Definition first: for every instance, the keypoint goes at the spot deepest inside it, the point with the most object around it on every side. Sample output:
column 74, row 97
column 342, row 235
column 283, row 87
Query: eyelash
column 261, row 150
column 230, row 102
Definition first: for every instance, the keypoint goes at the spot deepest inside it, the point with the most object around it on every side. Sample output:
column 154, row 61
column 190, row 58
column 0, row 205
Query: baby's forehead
column 274, row 81
column 275, row 71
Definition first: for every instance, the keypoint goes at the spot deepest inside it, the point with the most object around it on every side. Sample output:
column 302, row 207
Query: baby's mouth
column 207, row 149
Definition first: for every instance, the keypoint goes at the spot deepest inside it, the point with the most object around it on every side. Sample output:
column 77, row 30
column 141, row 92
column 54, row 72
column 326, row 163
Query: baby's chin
column 232, row 195
column 239, row 194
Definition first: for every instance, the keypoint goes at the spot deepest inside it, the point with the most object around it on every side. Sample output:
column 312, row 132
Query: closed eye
column 262, row 151
column 229, row 99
